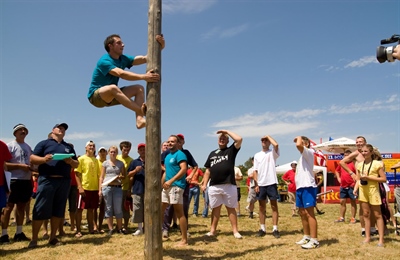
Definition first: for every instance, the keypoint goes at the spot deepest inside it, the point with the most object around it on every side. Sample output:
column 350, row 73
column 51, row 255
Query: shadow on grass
column 84, row 240
column 329, row 242
column 185, row 253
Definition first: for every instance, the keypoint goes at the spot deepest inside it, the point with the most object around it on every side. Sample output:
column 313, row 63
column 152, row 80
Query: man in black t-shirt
column 220, row 170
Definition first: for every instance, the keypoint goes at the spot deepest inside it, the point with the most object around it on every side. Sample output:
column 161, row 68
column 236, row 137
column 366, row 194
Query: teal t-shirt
column 172, row 167
column 101, row 76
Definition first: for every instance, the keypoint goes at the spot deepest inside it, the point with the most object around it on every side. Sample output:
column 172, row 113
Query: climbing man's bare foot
column 140, row 122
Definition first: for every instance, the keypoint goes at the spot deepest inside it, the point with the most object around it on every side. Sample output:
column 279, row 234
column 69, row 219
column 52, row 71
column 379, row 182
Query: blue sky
column 255, row 67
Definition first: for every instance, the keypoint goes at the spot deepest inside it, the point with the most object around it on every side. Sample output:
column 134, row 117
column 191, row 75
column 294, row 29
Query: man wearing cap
column 87, row 178
column 289, row 179
column 266, row 183
column 54, row 182
column 136, row 174
column 21, row 184
column 124, row 157
column 220, row 171
column 101, row 157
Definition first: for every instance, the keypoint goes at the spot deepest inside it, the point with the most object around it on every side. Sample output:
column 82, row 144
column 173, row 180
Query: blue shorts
column 306, row 197
column 347, row 193
column 270, row 191
column 3, row 197
column 51, row 199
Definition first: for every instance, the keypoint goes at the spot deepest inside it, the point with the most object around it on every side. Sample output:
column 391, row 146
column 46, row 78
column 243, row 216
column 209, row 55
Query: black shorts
column 21, row 191
column 270, row 191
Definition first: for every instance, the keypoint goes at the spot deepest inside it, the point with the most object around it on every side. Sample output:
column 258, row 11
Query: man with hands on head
column 222, row 190
column 266, row 182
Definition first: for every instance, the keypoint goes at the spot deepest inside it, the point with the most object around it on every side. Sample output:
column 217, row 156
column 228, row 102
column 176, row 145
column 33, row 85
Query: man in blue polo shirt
column 174, row 183
column 53, row 184
column 104, row 90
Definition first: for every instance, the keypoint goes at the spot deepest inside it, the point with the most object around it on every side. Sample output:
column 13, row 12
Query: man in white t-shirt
column 266, row 182
column 306, row 193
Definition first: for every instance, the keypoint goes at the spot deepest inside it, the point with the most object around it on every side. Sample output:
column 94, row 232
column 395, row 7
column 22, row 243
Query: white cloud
column 84, row 136
column 291, row 122
column 217, row 32
column 391, row 104
column 186, row 6
column 361, row 62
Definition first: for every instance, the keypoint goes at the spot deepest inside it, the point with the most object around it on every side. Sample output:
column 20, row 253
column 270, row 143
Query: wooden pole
column 153, row 249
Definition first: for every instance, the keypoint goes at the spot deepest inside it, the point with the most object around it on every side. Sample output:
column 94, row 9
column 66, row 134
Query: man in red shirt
column 288, row 177
column 346, row 190
column 5, row 155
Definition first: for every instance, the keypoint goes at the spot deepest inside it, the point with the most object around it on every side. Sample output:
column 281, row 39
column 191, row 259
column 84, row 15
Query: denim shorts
column 347, row 193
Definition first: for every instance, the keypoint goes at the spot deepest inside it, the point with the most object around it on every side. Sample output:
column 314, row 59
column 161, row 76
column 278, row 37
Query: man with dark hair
column 266, row 183
column 54, row 182
column 174, row 183
column 346, row 190
column 104, row 90
column 21, row 183
column 222, row 190
column 124, row 157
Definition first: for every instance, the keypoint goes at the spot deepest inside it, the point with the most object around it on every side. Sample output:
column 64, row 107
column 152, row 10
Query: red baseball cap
column 181, row 136
column 141, row 145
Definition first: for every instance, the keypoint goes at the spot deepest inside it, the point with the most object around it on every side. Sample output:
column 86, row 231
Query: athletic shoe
column 21, row 237
column 237, row 235
column 397, row 215
column 209, row 234
column 310, row 245
column 122, row 231
column 110, row 233
column 261, row 233
column 276, row 234
column 251, row 215
column 353, row 221
column 303, row 241
column 363, row 233
column 374, row 233
column 137, row 232
column 320, row 212
column 4, row 239
column 165, row 234
column 247, row 208
column 339, row 220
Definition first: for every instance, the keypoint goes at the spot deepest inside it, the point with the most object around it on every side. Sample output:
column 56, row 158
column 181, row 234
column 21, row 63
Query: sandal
column 55, row 242
column 78, row 235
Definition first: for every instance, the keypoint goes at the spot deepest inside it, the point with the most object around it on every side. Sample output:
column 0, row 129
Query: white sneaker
column 238, row 235
column 165, row 234
column 310, row 245
column 187, row 234
column 303, row 241
column 138, row 232
column 209, row 234
column 397, row 215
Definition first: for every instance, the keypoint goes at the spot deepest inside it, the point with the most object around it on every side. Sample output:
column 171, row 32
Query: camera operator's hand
column 396, row 52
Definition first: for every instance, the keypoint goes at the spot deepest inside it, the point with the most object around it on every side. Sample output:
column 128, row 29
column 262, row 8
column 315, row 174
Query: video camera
column 385, row 53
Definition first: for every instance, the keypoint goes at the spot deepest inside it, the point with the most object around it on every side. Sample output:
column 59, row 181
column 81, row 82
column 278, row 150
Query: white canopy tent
column 282, row 169
column 337, row 145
